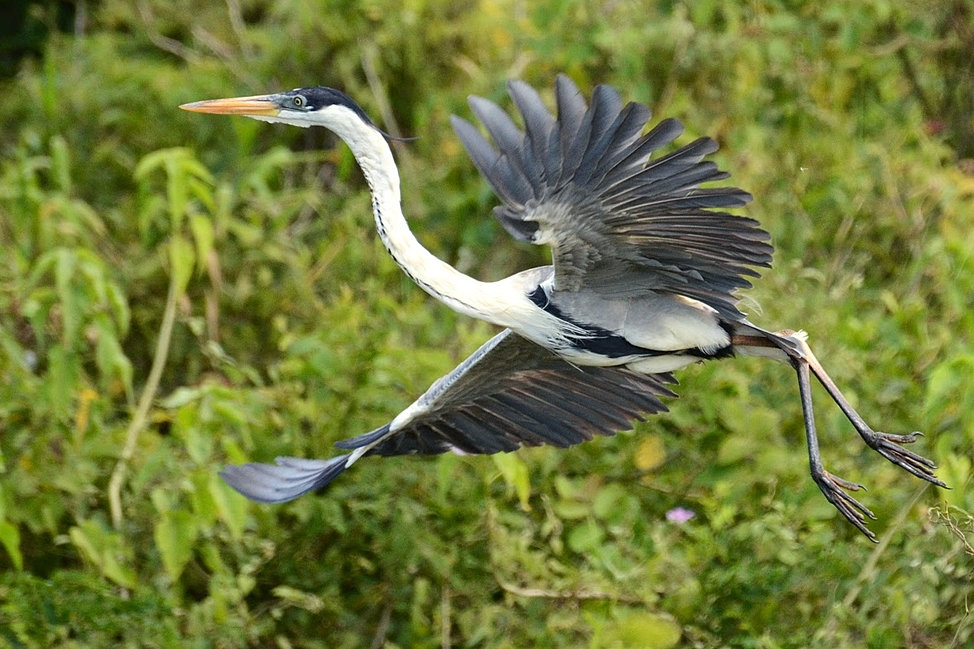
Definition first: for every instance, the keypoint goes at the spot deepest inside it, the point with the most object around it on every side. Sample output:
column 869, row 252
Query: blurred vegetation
column 180, row 291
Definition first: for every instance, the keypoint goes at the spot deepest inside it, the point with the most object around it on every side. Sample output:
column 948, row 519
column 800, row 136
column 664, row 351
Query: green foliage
column 179, row 291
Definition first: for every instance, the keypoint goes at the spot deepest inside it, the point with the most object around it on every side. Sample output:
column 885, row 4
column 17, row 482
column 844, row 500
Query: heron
column 646, row 267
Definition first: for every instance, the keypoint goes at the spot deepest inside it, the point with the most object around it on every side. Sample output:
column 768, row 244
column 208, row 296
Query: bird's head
column 314, row 106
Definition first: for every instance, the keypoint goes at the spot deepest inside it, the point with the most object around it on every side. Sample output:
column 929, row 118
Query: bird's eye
column 298, row 101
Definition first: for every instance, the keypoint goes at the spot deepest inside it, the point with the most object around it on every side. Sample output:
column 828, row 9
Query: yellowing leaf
column 650, row 453
column 646, row 631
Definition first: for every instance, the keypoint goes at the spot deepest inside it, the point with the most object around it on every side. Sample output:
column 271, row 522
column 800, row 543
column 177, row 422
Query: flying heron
column 645, row 269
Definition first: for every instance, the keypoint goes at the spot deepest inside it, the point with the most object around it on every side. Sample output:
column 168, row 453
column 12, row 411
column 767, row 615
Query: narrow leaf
column 202, row 229
column 10, row 538
column 175, row 536
column 181, row 261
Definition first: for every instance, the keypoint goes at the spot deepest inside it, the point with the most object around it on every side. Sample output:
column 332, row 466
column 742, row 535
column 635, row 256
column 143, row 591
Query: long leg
column 886, row 444
column 791, row 347
column 832, row 486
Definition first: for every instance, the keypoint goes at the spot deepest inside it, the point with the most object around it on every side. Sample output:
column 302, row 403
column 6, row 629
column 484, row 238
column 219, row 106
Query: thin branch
column 234, row 60
column 212, row 296
column 164, row 43
column 379, row 639
column 369, row 54
column 868, row 571
column 145, row 402
column 235, row 14
column 944, row 518
column 445, row 617
column 582, row 594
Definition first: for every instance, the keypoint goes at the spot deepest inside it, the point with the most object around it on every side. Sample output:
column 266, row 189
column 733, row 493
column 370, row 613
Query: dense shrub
column 178, row 292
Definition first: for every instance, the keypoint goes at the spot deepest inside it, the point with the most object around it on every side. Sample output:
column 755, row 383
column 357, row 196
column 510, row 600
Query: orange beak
column 261, row 105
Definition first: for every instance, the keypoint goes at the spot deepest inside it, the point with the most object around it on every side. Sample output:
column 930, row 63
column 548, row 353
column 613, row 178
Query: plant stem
column 145, row 402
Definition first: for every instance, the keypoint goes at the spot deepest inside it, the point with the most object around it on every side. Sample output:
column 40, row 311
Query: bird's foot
column 835, row 490
column 891, row 447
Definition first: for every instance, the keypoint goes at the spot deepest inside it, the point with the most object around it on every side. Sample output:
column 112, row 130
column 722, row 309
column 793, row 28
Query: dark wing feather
column 508, row 394
column 618, row 221
column 289, row 478
column 513, row 393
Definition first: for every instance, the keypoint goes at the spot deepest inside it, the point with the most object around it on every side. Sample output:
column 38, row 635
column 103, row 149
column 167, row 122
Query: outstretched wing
column 509, row 393
column 617, row 220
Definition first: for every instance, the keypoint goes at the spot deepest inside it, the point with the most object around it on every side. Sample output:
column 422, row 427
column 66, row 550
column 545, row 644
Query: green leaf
column 586, row 536
column 61, row 164
column 294, row 597
column 10, row 538
column 110, row 358
column 202, row 229
column 516, row 476
column 180, row 397
column 193, row 167
column 611, row 501
column 175, row 536
column 118, row 572
column 63, row 377
column 950, row 387
column 119, row 307
column 956, row 470
column 181, row 261
column 177, row 190
column 71, row 316
column 197, row 439
column 231, row 506
column 106, row 549
column 185, row 177
column 150, row 162
column 202, row 190
column 201, row 501
column 645, row 631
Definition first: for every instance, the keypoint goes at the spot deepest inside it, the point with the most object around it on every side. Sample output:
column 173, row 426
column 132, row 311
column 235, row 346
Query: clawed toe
column 845, row 484
column 891, row 447
column 899, row 439
column 835, row 490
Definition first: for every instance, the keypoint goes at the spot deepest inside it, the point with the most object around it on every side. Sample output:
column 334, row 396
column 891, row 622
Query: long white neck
column 503, row 303
column 483, row 300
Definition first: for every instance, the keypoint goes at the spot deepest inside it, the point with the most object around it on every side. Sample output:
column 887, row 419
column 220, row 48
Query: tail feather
column 289, row 478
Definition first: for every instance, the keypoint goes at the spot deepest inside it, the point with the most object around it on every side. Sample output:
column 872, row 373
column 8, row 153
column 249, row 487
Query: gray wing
column 509, row 393
column 617, row 220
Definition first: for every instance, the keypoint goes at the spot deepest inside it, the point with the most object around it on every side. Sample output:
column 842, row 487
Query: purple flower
column 680, row 515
